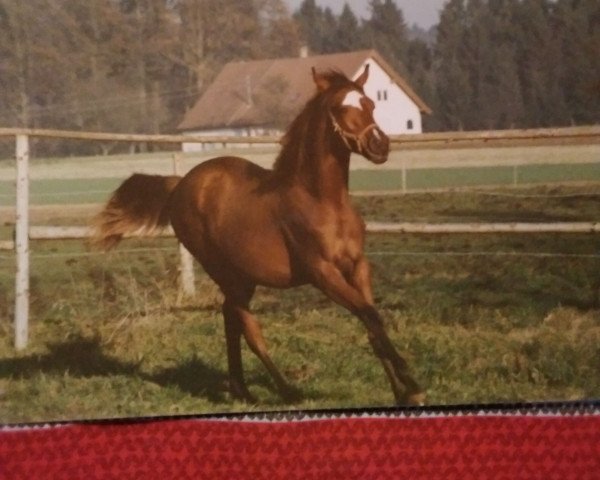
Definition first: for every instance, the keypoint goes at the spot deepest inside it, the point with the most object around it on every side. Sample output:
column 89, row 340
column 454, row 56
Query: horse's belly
column 270, row 272
column 258, row 253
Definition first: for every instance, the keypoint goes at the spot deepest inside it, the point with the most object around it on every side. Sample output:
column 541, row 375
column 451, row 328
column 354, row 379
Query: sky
column 424, row 13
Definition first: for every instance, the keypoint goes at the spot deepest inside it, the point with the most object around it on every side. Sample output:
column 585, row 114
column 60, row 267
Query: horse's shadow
column 78, row 356
column 85, row 357
column 194, row 377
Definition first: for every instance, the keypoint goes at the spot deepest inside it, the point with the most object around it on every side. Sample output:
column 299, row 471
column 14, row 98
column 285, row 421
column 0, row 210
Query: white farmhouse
column 254, row 97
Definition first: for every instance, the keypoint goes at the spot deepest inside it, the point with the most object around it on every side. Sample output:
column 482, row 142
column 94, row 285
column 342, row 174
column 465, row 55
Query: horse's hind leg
column 233, row 332
column 238, row 321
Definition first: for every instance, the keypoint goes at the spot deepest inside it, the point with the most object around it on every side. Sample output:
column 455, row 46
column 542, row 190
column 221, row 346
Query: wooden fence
column 539, row 136
column 23, row 233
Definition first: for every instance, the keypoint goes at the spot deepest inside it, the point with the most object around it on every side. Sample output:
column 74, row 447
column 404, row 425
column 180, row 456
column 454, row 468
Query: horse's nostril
column 378, row 142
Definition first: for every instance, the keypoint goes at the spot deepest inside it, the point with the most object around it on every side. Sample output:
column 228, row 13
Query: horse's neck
column 329, row 180
column 325, row 170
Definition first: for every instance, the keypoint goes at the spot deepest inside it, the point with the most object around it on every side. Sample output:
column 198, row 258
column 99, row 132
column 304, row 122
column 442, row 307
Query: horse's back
column 227, row 169
column 223, row 186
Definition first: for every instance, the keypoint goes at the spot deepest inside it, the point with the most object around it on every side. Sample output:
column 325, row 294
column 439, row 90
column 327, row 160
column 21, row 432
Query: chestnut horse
column 280, row 228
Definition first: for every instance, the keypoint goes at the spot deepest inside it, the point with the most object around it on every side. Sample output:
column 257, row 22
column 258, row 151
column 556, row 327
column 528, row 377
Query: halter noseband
column 347, row 136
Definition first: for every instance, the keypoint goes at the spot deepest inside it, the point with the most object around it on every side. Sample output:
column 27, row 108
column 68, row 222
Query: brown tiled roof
column 228, row 101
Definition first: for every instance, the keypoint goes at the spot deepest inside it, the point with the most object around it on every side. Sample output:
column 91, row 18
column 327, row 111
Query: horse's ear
column 360, row 81
column 321, row 81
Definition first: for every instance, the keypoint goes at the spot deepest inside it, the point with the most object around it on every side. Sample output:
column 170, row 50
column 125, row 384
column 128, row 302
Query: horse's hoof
column 242, row 394
column 416, row 399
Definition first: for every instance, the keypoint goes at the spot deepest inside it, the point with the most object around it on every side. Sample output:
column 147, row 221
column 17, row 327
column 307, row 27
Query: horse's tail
column 137, row 206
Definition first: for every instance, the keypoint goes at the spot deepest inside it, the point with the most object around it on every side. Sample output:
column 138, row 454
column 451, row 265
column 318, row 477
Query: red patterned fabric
column 454, row 447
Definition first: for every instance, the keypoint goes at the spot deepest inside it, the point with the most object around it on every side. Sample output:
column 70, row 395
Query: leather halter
column 347, row 136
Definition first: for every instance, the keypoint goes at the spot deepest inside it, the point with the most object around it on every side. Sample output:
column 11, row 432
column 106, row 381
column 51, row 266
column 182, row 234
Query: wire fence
column 375, row 253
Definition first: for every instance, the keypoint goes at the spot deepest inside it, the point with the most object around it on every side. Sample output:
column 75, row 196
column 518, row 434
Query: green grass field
column 482, row 318
column 96, row 190
column 461, row 177
column 90, row 180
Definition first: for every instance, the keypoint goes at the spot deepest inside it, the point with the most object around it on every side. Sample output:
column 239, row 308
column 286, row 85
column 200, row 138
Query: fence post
column 22, row 243
column 186, row 261
column 403, row 175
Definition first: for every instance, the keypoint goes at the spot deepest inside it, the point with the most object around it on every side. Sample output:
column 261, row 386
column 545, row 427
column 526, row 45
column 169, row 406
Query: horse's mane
column 299, row 141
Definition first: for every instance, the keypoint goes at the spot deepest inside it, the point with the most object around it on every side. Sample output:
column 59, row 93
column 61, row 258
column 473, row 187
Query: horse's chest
column 326, row 231
column 342, row 237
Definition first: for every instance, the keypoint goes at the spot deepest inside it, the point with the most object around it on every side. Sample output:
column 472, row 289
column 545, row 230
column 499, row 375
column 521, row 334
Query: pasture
column 82, row 180
column 486, row 318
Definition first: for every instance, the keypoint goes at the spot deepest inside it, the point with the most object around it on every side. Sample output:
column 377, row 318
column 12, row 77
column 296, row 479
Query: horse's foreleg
column 356, row 296
column 395, row 366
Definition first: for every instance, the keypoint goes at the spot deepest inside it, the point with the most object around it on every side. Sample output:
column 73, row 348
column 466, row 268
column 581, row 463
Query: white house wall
column 394, row 109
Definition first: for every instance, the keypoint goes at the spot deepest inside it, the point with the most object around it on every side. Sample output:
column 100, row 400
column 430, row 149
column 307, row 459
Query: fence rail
column 42, row 232
column 589, row 135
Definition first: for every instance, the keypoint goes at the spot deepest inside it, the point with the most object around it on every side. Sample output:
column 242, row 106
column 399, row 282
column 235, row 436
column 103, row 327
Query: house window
column 381, row 95
column 409, row 125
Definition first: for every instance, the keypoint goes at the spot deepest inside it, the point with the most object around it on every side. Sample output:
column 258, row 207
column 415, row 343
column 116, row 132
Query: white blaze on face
column 352, row 99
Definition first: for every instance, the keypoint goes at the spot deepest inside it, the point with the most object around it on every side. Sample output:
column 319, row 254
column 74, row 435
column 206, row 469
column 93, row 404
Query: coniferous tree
column 452, row 80
column 348, row 32
column 387, row 33
column 497, row 93
column 538, row 63
column 310, row 23
column 578, row 22
column 329, row 29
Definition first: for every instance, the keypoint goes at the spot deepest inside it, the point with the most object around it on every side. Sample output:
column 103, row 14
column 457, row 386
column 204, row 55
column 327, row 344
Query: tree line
column 137, row 65
column 487, row 64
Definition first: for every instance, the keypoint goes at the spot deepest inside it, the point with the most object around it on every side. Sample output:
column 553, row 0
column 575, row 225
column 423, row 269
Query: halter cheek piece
column 348, row 136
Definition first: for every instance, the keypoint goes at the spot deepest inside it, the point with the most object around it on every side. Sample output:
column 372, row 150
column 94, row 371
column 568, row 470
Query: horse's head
column 351, row 115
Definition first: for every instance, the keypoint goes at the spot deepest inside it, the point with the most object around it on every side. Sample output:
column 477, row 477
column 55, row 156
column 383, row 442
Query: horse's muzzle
column 377, row 146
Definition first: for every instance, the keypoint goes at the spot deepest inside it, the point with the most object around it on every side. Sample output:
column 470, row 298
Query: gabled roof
column 228, row 101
